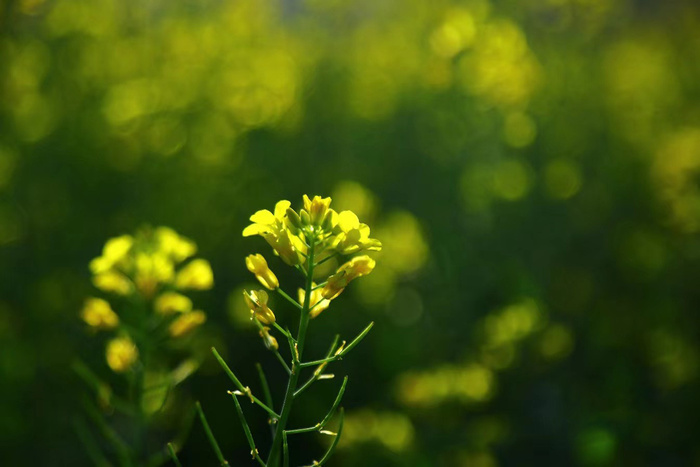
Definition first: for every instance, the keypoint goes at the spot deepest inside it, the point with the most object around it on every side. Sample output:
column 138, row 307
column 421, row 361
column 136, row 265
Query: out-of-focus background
column 532, row 169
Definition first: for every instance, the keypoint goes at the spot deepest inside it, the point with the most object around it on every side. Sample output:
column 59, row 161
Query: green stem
column 289, row 299
column 210, row 435
column 273, row 458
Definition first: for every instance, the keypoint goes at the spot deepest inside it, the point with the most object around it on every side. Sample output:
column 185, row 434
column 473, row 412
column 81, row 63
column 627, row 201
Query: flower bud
column 258, row 266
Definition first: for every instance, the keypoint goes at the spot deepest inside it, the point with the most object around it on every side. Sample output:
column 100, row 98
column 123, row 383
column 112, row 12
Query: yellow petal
column 281, row 209
column 263, row 217
column 347, row 220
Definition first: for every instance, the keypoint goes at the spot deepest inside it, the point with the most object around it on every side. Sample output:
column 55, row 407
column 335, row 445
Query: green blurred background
column 532, row 169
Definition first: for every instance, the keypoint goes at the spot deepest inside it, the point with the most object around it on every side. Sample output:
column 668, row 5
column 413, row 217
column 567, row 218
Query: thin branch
column 210, row 435
column 253, row 450
column 281, row 360
column 289, row 299
column 245, row 390
column 319, row 371
column 329, row 453
column 265, row 386
column 173, row 455
column 321, row 425
column 342, row 353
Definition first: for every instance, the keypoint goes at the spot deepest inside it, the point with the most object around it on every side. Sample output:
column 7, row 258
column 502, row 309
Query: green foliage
column 530, row 167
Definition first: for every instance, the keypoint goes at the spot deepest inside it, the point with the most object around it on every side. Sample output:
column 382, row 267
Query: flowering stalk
column 305, row 241
column 146, row 277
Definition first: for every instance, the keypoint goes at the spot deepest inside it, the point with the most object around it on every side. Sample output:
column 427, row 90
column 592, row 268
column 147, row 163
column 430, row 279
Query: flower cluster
column 291, row 235
column 151, row 269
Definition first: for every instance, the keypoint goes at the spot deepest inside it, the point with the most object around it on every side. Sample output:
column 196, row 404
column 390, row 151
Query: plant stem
column 273, row 458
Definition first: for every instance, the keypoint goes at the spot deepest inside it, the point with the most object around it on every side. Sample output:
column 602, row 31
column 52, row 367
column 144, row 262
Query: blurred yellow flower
column 152, row 270
column 115, row 250
column 174, row 246
column 268, row 339
column 197, row 274
column 114, row 282
column 121, row 354
column 258, row 266
column 186, row 322
column 257, row 302
column 357, row 267
column 316, row 296
column 97, row 313
column 172, row 302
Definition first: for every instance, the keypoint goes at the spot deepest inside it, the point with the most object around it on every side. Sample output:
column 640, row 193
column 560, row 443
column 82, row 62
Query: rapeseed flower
column 258, row 266
column 121, row 354
column 197, row 275
column 172, row 302
column 357, row 267
column 97, row 313
column 257, row 302
column 317, row 303
column 186, row 322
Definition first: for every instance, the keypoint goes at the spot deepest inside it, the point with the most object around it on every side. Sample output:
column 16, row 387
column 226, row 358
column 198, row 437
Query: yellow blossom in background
column 114, row 282
column 316, row 296
column 268, row 339
column 114, row 251
column 186, row 322
column 257, row 302
column 357, row 267
column 258, row 266
column 152, row 270
column 174, row 246
column 121, row 354
column 172, row 302
column 98, row 314
column 195, row 275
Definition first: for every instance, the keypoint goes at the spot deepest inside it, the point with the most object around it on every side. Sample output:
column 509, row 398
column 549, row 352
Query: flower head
column 273, row 228
column 121, row 354
column 357, row 267
column 98, row 314
column 353, row 236
column 257, row 302
column 258, row 266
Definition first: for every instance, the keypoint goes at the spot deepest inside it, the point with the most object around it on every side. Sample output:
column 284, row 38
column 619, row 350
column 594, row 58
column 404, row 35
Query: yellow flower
column 273, row 228
column 114, row 251
column 176, row 247
column 353, row 236
column 257, row 302
column 121, row 354
column 316, row 297
column 197, row 274
column 98, row 314
column 172, row 302
column 258, row 266
column 268, row 339
column 357, row 267
column 114, row 282
column 152, row 270
column 186, row 322
column 316, row 209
